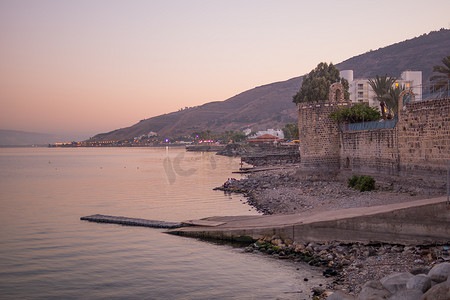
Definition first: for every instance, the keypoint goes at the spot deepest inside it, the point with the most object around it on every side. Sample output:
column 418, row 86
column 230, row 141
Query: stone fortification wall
column 424, row 137
column 370, row 151
column 319, row 136
column 418, row 145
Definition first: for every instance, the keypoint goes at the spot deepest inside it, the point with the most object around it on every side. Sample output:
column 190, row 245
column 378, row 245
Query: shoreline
column 283, row 191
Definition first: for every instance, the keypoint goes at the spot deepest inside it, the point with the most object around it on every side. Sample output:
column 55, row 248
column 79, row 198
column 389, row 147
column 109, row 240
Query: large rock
column 407, row 295
column 396, row 281
column 338, row 295
column 420, row 270
column 373, row 290
column 440, row 272
column 419, row 282
column 438, row 292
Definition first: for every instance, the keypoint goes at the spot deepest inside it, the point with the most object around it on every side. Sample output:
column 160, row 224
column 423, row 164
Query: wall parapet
column 386, row 124
column 322, row 104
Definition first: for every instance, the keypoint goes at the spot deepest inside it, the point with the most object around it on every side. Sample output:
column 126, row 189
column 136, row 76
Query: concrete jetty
column 416, row 222
column 204, row 147
column 131, row 221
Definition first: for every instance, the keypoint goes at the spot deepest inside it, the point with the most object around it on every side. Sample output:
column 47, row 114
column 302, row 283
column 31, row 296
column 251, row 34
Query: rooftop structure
column 264, row 139
column 276, row 132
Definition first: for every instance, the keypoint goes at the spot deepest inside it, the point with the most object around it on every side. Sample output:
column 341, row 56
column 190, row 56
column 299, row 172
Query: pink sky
column 94, row 66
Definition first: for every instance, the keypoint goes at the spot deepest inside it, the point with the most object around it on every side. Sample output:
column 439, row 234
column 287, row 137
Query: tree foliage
column 381, row 86
column 223, row 137
column 441, row 82
column 232, row 136
column 290, row 131
column 357, row 113
column 316, row 84
column 203, row 135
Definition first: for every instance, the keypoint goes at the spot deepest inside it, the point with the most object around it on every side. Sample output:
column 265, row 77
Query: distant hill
column 417, row 54
column 267, row 106
column 23, row 138
column 270, row 106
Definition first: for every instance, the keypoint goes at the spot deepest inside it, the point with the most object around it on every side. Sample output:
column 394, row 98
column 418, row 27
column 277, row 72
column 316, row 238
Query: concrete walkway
column 417, row 222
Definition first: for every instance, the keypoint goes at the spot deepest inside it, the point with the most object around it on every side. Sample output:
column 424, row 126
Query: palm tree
column 381, row 86
column 392, row 99
column 441, row 82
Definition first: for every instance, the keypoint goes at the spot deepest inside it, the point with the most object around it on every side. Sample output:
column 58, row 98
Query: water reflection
column 47, row 252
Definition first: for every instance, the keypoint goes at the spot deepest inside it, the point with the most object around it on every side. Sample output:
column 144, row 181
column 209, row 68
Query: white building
column 413, row 80
column 361, row 92
column 247, row 131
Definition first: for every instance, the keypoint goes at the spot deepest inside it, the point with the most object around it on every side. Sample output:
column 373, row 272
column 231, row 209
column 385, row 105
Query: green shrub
column 366, row 183
column 362, row 183
column 352, row 181
column 357, row 113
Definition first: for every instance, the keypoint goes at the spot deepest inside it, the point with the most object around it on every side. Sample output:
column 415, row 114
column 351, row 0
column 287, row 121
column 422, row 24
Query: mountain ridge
column 271, row 106
column 19, row 138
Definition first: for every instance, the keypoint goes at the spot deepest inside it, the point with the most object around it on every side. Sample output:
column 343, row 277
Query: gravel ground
column 283, row 191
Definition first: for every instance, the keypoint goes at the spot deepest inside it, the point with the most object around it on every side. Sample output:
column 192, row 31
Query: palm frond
column 441, row 82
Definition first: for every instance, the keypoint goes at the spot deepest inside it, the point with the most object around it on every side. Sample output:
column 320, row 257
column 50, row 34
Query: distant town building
column 146, row 136
column 275, row 132
column 247, row 131
column 264, row 139
column 361, row 92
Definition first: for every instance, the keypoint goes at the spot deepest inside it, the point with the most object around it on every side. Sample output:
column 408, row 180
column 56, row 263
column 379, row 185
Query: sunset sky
column 85, row 67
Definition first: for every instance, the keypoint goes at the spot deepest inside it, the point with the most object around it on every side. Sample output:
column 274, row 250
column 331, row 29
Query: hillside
column 22, row 138
column 263, row 107
column 417, row 54
column 9, row 138
column 270, row 106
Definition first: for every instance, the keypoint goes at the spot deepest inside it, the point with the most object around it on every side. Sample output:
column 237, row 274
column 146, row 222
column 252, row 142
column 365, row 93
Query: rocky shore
column 369, row 271
column 357, row 269
column 284, row 191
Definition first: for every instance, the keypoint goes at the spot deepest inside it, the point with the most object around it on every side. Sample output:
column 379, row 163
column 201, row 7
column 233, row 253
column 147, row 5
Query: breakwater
column 205, row 148
column 263, row 155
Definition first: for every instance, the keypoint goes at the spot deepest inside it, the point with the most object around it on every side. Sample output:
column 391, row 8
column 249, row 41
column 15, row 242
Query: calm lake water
column 47, row 252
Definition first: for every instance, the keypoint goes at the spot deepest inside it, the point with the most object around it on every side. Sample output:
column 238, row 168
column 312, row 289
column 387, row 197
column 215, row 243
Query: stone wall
column 319, row 136
column 418, row 145
column 272, row 159
column 370, row 151
column 270, row 154
column 424, row 137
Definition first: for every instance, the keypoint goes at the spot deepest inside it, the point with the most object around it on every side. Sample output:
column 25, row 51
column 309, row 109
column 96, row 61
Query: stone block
column 407, row 295
column 419, row 282
column 339, row 295
column 396, row 281
column 440, row 272
column 438, row 292
column 373, row 290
